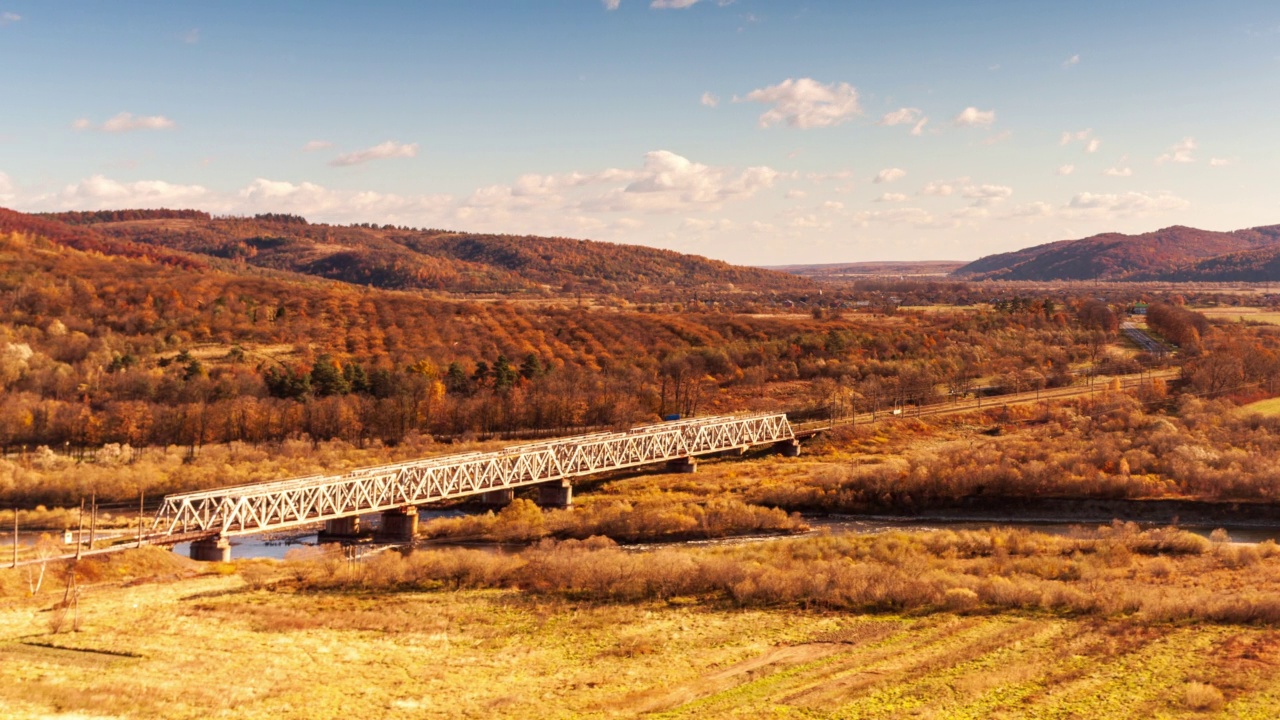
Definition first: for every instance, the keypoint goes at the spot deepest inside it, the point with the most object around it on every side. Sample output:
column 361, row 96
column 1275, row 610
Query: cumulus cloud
column 1093, row 145
column 710, row 100
column 8, row 18
column 1181, row 152
column 973, row 117
column 918, row 217
column 610, row 4
column 388, row 149
column 672, row 4
column 315, row 145
column 1118, row 172
column 906, row 116
column 99, row 192
column 1130, row 203
column 889, row 175
column 1065, row 170
column 1069, row 137
column 939, row 188
column 1220, row 162
column 1033, row 210
column 891, row 198
column 987, row 195
column 806, row 103
column 126, row 122
column 1069, row 62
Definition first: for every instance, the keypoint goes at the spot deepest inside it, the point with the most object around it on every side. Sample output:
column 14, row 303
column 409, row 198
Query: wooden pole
column 15, row 536
column 93, row 519
column 80, row 530
column 141, row 499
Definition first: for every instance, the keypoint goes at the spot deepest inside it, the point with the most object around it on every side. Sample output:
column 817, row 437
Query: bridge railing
column 287, row 503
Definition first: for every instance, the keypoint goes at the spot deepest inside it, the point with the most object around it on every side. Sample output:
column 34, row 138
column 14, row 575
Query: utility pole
column 80, row 531
column 93, row 518
column 141, row 502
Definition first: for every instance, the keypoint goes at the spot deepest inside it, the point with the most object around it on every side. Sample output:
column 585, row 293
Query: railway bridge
column 209, row 518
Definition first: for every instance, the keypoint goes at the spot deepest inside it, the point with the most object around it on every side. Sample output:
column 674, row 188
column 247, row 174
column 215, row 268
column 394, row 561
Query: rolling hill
column 405, row 259
column 1176, row 252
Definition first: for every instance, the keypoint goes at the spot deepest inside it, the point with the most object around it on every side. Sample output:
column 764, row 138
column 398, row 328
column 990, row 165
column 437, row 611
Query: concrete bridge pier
column 399, row 525
column 214, row 549
column 555, row 494
column 501, row 497
column 344, row 528
column 683, row 465
column 790, row 448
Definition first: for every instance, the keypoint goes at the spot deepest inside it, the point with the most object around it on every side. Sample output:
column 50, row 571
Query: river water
column 278, row 545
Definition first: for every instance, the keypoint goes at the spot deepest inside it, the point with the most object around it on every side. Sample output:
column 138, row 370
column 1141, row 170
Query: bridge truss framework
column 247, row 509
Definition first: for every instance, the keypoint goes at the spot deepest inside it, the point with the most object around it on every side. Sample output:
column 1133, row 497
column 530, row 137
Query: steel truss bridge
column 277, row 505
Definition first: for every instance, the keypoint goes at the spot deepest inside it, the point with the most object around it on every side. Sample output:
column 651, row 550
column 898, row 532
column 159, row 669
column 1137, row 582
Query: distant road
column 1144, row 341
column 1063, row 393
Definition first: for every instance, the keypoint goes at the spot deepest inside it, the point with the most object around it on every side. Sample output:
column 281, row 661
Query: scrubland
column 1116, row 623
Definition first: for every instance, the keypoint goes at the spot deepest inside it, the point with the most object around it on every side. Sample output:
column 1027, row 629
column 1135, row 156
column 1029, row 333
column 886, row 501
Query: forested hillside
column 404, row 258
column 1174, row 251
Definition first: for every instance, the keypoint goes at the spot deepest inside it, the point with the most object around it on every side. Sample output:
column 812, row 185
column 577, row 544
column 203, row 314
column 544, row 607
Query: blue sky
column 755, row 131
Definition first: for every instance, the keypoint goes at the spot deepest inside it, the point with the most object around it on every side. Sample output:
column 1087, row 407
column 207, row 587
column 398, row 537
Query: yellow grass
column 213, row 647
column 1262, row 407
column 1250, row 314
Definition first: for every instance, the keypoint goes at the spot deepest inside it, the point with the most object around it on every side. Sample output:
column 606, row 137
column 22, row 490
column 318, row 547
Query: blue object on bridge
column 673, row 416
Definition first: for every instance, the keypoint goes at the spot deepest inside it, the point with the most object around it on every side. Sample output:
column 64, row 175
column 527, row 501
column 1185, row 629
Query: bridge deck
column 281, row 504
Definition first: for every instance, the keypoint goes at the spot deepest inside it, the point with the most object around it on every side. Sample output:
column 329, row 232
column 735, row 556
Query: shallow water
column 277, row 545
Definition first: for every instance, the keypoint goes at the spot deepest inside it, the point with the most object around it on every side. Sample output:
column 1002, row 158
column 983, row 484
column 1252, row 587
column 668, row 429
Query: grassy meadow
column 251, row 640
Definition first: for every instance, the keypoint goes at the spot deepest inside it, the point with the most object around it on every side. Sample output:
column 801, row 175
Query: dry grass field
column 1247, row 314
column 218, row 646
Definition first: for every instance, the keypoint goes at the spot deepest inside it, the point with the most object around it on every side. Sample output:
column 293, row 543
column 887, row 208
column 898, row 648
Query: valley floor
column 213, row 646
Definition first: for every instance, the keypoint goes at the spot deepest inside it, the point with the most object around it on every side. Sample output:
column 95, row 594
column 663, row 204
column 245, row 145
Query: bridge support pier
column 498, row 498
column 214, row 549
column 399, row 525
column 340, row 529
column 555, row 494
column 790, row 448
column 683, row 465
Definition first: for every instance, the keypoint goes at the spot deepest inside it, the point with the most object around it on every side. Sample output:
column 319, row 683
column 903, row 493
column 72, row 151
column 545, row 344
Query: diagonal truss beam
column 281, row 504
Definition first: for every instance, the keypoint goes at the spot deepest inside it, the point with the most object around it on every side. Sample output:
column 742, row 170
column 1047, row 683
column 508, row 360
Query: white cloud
column 806, row 103
column 710, row 100
column 1093, row 145
column 938, row 188
column 973, row 117
column 8, row 18
column 1180, row 152
column 610, row 4
column 891, row 198
column 998, row 137
column 388, row 149
column 1065, row 170
column 918, row 217
column 1130, row 203
column 1118, row 172
column 99, row 192
column 126, row 122
column 889, row 175
column 906, row 116
column 315, row 145
column 1077, row 136
column 1220, row 162
column 1033, row 209
column 672, row 4
column 1073, row 60
column 795, row 194
column 987, row 195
